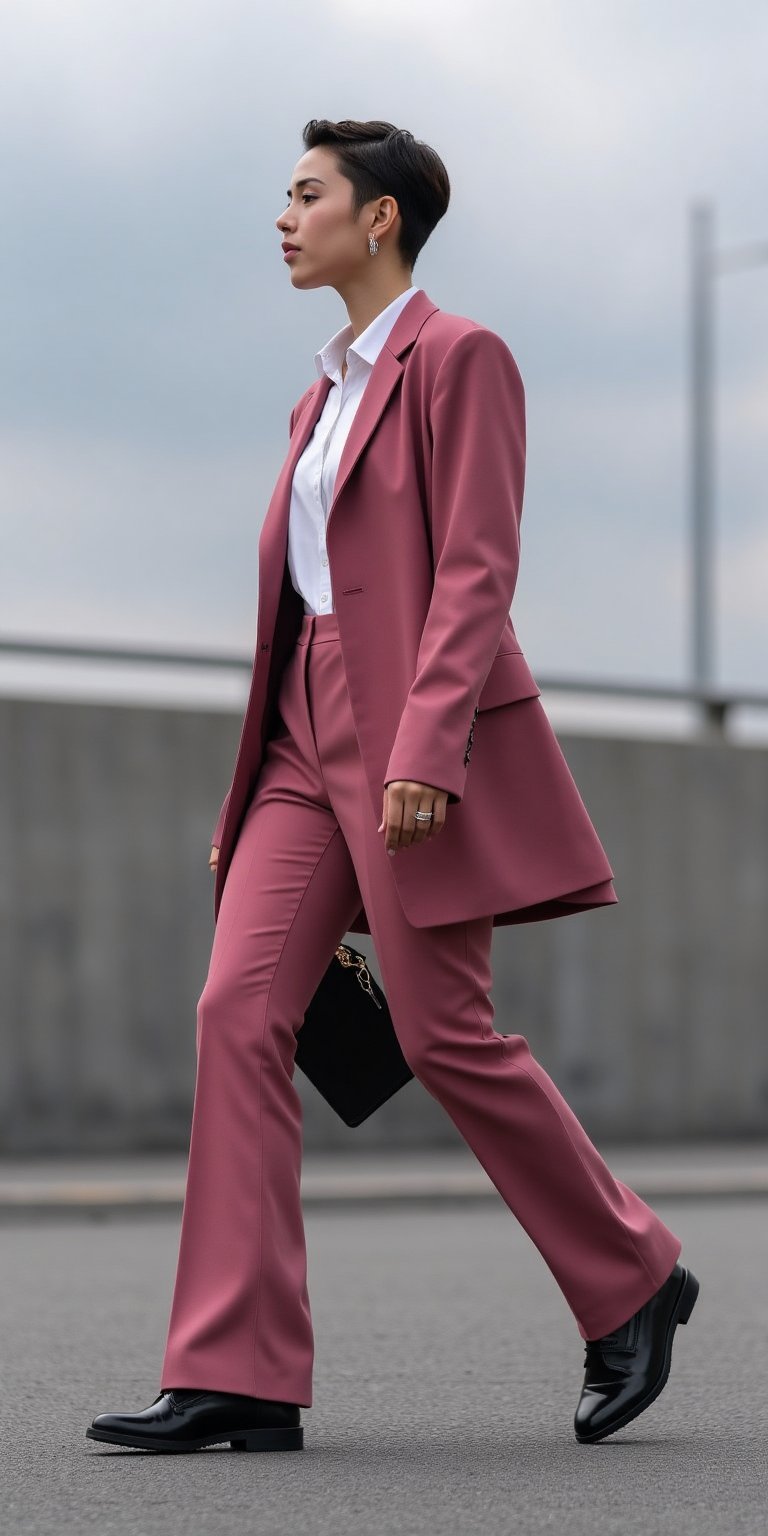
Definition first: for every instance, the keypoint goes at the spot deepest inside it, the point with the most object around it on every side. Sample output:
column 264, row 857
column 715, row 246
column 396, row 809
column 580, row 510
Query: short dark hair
column 382, row 160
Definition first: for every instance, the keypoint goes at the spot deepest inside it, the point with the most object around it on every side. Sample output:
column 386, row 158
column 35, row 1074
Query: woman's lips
column 288, row 254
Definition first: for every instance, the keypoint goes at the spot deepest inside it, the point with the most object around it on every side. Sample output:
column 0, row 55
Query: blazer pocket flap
column 510, row 678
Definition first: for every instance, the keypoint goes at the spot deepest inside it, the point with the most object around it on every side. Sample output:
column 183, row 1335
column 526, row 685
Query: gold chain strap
column 347, row 958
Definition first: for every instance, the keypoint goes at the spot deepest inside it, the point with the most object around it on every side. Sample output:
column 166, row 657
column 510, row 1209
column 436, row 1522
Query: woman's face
column 318, row 220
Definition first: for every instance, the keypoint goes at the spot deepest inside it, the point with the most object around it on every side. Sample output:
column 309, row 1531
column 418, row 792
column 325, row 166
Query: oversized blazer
column 423, row 542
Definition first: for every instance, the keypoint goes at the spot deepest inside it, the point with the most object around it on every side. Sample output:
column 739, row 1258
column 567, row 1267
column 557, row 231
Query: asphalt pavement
column 447, row 1370
column 447, row 1364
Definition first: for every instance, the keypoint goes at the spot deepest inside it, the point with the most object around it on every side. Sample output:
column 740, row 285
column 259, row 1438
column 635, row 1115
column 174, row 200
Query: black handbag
column 347, row 1044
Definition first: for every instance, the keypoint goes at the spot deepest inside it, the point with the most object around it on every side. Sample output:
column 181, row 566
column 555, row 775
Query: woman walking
column 397, row 775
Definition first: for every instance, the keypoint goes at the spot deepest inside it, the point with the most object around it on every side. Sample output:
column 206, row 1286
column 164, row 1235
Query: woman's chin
column 302, row 280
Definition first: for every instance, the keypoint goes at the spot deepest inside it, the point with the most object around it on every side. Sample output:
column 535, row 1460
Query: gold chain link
column 347, row 958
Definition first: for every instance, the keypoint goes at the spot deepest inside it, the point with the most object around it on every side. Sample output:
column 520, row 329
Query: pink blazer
column 423, row 541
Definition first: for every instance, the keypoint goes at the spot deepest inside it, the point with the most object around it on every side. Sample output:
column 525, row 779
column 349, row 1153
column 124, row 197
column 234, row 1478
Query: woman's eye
column 304, row 196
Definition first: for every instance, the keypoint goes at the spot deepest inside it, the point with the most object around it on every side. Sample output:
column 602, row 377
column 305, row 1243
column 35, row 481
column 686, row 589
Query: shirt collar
column 368, row 344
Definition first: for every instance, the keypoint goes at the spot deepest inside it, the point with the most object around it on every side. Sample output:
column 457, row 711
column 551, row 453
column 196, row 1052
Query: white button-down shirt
column 314, row 477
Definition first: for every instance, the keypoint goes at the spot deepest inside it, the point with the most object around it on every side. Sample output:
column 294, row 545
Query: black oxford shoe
column 627, row 1369
column 188, row 1418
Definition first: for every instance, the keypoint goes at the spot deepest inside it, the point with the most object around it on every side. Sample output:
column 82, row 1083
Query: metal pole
column 701, row 595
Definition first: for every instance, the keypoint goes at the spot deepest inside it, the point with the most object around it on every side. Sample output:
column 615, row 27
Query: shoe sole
column 289, row 1438
column 686, row 1301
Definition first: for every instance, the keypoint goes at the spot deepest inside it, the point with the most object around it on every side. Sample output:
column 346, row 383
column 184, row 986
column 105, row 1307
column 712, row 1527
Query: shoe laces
column 596, row 1349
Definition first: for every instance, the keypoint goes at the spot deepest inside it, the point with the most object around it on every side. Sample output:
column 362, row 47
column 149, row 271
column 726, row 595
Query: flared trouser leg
column 308, row 850
column 240, row 1315
column 606, row 1248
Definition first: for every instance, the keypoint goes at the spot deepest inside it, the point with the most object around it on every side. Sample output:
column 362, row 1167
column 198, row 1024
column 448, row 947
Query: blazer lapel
column 273, row 539
column 385, row 374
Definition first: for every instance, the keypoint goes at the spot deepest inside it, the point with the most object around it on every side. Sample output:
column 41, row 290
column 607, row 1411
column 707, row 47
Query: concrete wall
column 650, row 1016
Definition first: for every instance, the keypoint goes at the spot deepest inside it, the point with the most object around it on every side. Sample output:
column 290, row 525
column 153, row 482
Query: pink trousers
column 240, row 1315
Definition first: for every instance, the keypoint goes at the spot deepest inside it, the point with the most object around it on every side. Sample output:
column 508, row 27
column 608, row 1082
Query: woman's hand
column 214, row 858
column 402, row 797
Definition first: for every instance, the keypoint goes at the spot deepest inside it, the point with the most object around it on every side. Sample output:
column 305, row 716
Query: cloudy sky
column 153, row 345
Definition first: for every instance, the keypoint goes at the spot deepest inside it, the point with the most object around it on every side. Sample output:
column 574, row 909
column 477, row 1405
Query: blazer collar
column 385, row 375
column 408, row 323
column 366, row 347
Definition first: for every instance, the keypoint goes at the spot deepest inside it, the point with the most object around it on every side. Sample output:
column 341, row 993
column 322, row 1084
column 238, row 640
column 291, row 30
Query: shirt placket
column 325, row 595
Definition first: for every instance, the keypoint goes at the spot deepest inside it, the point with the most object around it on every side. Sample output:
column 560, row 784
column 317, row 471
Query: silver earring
column 373, row 245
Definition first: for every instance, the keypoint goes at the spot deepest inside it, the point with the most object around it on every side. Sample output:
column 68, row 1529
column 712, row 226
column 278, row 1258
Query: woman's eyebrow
column 303, row 183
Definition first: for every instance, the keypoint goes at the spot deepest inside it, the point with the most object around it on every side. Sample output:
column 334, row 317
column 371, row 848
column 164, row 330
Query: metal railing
column 714, row 705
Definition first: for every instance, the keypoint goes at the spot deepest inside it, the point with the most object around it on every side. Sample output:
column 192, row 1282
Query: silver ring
column 423, row 815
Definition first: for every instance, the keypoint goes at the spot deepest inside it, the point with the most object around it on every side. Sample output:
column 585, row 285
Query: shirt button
column 323, row 597
column 325, row 560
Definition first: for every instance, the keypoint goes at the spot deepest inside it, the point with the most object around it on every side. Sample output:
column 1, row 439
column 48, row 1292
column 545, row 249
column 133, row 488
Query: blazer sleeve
column 477, row 418
column 220, row 819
